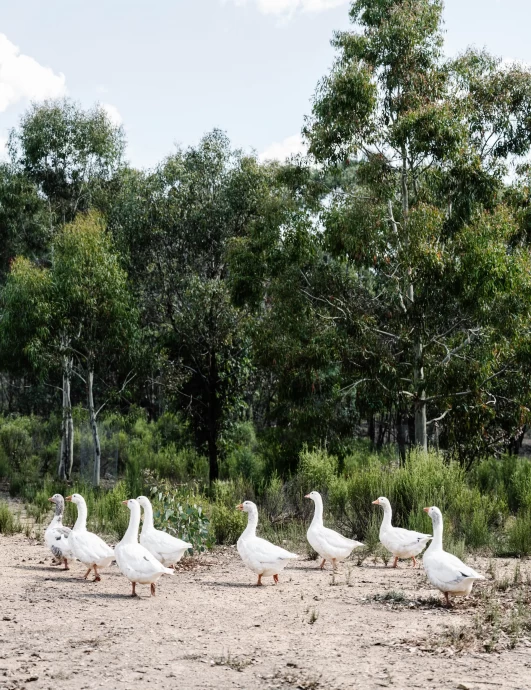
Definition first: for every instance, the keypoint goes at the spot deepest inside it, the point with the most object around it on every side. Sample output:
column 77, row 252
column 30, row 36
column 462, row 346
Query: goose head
column 313, row 495
column 246, row 507
column 131, row 503
column 435, row 514
column 57, row 499
column 382, row 501
column 143, row 501
column 75, row 498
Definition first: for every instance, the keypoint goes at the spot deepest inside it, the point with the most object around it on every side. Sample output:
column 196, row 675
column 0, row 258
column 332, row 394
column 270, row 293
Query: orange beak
column 68, row 498
column 307, row 496
column 51, row 499
column 124, row 503
column 239, row 506
column 426, row 510
column 376, row 502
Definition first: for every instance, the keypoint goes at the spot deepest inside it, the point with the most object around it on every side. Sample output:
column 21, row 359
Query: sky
column 172, row 70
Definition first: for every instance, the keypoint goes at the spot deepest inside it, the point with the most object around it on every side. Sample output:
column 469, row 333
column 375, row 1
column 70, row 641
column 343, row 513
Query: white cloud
column 284, row 149
column 23, row 78
column 112, row 113
column 289, row 7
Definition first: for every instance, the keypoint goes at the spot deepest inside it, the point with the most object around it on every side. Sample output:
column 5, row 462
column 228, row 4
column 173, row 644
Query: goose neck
column 437, row 541
column 131, row 535
column 387, row 516
column 252, row 523
column 81, row 521
column 318, row 513
column 148, row 516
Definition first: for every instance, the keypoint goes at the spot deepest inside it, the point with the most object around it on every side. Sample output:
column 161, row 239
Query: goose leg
column 414, row 561
column 275, row 578
column 66, row 564
column 322, row 563
column 133, row 593
column 259, row 583
column 334, row 564
column 448, row 602
column 395, row 564
column 153, row 592
column 97, row 577
column 87, row 573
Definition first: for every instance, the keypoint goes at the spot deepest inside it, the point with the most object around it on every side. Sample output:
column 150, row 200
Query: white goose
column 86, row 546
column 260, row 555
column 330, row 545
column 402, row 543
column 166, row 549
column 135, row 561
column 56, row 535
column 444, row 570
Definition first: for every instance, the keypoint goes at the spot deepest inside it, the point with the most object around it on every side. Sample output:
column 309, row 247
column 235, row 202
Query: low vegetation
column 487, row 509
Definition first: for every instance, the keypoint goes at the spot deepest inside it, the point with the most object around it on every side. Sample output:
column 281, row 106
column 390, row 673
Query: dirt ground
column 209, row 627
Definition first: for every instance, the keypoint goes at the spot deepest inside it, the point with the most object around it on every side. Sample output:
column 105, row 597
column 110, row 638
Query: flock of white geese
column 144, row 559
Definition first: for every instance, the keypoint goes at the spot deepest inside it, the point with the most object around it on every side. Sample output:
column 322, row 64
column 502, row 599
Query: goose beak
column 426, row 510
column 307, row 496
column 376, row 502
column 125, row 503
column 68, row 498
column 239, row 506
column 51, row 500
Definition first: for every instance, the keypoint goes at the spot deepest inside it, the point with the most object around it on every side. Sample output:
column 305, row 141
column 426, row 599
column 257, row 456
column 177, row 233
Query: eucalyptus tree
column 71, row 154
column 75, row 316
column 94, row 309
column 421, row 231
column 175, row 226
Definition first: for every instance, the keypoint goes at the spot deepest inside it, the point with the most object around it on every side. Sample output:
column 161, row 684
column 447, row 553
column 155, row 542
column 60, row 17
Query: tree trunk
column 372, row 430
column 213, row 421
column 66, row 459
column 421, row 435
column 96, row 476
column 401, row 436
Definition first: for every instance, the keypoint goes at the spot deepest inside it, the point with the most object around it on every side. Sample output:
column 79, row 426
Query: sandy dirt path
column 211, row 628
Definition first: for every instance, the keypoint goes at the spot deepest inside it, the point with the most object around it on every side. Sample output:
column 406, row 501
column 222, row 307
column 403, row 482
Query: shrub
column 16, row 441
column 317, row 470
column 181, row 516
column 273, row 501
column 227, row 524
column 8, row 523
column 519, row 535
column 244, row 462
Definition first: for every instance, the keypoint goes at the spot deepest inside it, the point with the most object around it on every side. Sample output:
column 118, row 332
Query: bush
column 317, row 470
column 16, row 441
column 8, row 523
column 227, row 524
column 519, row 535
column 181, row 516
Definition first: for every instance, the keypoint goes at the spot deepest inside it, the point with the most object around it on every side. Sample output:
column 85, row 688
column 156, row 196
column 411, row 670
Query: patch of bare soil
column 210, row 627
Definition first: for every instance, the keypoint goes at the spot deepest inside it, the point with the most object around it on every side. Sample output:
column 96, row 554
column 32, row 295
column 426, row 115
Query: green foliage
column 317, row 470
column 184, row 519
column 9, row 524
column 519, row 535
column 227, row 523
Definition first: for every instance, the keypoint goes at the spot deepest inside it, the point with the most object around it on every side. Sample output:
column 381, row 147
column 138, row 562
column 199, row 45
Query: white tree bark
column 96, row 476
column 66, row 459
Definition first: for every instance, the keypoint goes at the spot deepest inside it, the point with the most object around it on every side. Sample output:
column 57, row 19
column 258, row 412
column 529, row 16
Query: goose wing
column 168, row 544
column 450, row 569
column 407, row 536
column 136, row 562
column 337, row 540
column 266, row 552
